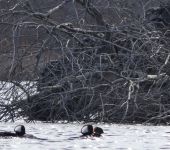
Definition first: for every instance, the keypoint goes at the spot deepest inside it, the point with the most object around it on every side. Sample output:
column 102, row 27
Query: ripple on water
column 165, row 147
column 66, row 136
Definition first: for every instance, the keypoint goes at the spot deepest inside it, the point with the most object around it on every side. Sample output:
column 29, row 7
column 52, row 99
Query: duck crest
column 97, row 131
column 19, row 130
column 87, row 130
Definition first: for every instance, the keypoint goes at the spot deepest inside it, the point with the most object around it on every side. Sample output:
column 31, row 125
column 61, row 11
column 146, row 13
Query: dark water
column 66, row 137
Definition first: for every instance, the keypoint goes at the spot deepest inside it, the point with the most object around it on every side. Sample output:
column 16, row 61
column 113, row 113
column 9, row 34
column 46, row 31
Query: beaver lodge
column 92, row 63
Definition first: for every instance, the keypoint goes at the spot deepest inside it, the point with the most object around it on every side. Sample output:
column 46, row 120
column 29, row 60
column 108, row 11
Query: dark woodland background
column 85, row 60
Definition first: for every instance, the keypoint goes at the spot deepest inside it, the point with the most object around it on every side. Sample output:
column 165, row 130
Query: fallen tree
column 110, row 73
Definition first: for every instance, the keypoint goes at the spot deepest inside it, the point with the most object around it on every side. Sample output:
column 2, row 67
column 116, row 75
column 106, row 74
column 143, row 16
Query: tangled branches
column 101, row 71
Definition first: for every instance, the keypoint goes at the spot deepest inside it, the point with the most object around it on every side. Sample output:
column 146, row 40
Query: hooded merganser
column 19, row 131
column 88, row 130
column 97, row 131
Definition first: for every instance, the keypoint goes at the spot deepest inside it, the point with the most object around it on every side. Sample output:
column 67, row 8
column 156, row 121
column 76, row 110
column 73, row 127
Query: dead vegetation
column 105, row 72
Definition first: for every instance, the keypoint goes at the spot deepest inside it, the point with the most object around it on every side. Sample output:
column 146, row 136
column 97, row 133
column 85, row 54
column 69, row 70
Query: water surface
column 66, row 137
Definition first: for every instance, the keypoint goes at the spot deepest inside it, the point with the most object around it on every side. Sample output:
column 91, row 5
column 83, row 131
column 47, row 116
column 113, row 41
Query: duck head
column 87, row 130
column 97, row 131
column 19, row 130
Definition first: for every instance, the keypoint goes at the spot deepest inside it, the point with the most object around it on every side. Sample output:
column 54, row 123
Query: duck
column 19, row 131
column 97, row 131
column 88, row 130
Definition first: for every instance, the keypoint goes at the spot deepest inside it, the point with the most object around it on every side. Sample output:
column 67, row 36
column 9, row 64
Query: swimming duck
column 19, row 131
column 97, row 131
column 88, row 130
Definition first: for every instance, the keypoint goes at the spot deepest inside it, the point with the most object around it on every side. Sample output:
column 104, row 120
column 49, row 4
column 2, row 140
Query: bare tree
column 97, row 60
